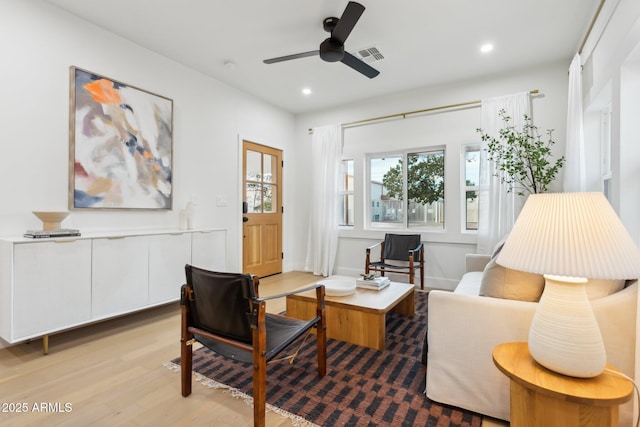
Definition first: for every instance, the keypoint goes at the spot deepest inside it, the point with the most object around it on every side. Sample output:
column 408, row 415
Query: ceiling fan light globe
column 331, row 51
column 328, row 24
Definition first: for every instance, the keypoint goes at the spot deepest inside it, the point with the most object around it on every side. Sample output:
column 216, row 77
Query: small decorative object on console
column 51, row 220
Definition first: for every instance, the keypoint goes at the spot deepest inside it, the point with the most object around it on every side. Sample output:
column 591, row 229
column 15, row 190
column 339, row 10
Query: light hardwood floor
column 112, row 374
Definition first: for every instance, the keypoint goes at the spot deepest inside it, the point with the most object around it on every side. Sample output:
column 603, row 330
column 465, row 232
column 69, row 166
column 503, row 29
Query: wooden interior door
column 262, row 226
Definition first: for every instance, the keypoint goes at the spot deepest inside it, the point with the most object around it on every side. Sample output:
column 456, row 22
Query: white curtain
column 497, row 207
column 322, row 243
column 574, row 168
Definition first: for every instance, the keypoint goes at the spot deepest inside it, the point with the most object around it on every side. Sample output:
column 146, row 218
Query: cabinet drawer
column 51, row 287
column 119, row 280
column 168, row 254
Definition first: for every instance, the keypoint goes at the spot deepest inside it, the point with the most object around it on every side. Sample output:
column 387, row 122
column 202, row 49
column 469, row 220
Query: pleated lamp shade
column 569, row 237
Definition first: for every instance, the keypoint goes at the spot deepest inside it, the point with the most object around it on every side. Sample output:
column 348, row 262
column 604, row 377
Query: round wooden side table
column 540, row 397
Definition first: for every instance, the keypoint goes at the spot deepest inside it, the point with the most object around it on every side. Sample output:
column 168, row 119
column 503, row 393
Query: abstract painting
column 121, row 142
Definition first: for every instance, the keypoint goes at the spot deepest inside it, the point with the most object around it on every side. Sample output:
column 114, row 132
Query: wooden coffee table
column 358, row 318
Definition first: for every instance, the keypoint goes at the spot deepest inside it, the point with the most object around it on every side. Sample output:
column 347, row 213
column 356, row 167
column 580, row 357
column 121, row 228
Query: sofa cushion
column 502, row 282
column 470, row 283
column 598, row 288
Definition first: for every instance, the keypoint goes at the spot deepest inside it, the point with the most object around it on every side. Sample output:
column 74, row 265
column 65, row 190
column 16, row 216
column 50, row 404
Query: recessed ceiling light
column 486, row 48
column 306, row 91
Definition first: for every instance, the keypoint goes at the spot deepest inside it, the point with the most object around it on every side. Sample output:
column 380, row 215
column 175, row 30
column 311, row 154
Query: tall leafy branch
column 524, row 157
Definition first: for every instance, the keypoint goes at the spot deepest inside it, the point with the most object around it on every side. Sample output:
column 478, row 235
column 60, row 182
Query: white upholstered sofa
column 463, row 329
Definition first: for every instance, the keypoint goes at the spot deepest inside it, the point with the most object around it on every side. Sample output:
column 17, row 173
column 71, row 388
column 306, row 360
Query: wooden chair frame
column 257, row 348
column 389, row 268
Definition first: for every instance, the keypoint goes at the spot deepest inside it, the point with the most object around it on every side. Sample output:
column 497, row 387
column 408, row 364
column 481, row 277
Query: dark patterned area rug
column 363, row 386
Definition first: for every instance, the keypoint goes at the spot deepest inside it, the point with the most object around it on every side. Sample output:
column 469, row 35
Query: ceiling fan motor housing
column 331, row 50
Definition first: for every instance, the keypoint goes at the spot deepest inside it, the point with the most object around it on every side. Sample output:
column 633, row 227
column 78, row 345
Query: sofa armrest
column 464, row 329
column 476, row 262
column 462, row 333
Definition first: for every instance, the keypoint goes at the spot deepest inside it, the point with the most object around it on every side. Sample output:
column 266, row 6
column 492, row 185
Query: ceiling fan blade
column 290, row 57
column 359, row 66
column 347, row 21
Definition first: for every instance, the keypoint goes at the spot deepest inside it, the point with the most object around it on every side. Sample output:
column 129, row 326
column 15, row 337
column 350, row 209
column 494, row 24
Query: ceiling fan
column 332, row 48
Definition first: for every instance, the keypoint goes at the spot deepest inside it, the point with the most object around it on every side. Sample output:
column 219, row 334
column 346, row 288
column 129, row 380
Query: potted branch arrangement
column 523, row 156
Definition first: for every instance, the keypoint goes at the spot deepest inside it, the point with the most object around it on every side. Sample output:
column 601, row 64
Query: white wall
column 444, row 250
column 611, row 74
column 38, row 44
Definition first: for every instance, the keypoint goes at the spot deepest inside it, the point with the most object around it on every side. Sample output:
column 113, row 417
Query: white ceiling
column 424, row 42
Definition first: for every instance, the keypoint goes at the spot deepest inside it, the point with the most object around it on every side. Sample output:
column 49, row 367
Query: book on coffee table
column 376, row 283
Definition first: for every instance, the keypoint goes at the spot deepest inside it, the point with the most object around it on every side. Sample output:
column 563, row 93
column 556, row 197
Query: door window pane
column 269, row 199
column 254, row 166
column 254, row 197
column 269, row 168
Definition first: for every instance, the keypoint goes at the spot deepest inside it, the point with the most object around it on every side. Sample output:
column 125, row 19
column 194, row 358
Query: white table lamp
column 569, row 237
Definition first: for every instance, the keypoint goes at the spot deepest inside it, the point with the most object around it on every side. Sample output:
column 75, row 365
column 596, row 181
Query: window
column 261, row 184
column 346, row 193
column 605, row 150
column 421, row 183
column 385, row 209
column 470, row 185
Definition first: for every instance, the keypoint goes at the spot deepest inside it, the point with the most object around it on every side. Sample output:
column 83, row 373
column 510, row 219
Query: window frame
column 404, row 155
column 342, row 192
column 605, row 149
column 464, row 188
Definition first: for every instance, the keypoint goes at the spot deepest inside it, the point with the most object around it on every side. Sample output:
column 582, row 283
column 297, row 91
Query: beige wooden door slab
column 262, row 226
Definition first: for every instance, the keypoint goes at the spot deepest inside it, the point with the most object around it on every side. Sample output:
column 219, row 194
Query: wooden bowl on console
column 51, row 220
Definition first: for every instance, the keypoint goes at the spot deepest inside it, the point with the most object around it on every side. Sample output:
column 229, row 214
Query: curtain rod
column 593, row 22
column 426, row 110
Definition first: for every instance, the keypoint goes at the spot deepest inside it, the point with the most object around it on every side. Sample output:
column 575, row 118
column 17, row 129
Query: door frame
column 240, row 191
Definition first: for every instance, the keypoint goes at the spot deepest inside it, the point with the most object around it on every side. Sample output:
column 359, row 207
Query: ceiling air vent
column 369, row 55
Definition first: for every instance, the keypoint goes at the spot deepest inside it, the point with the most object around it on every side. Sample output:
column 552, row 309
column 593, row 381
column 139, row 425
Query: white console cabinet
column 206, row 246
column 119, row 276
column 168, row 254
column 51, row 275
column 48, row 285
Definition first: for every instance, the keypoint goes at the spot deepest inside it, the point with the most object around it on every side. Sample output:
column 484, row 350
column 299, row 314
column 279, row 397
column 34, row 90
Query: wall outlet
column 221, row 201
